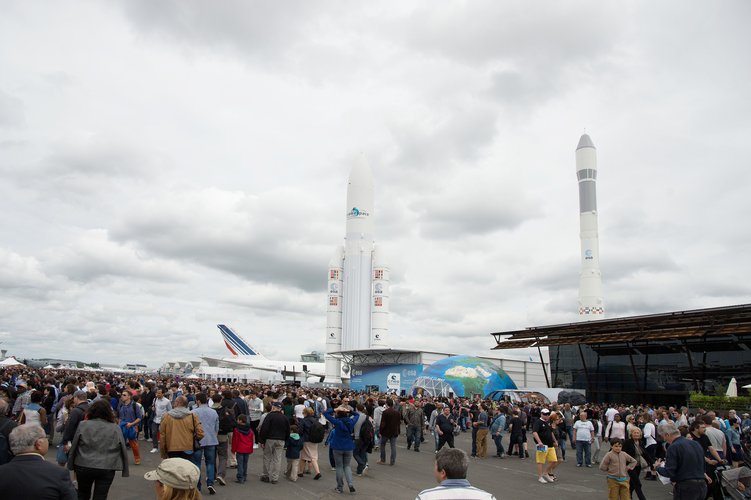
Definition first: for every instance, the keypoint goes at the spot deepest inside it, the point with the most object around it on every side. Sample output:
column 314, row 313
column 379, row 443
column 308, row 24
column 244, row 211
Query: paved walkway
column 506, row 479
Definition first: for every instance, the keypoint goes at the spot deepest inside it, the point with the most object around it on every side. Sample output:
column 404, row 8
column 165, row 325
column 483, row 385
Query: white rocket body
column 359, row 320
column 590, row 280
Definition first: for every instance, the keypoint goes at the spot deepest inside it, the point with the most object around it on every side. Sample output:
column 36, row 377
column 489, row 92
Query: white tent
column 49, row 367
column 11, row 362
column 732, row 391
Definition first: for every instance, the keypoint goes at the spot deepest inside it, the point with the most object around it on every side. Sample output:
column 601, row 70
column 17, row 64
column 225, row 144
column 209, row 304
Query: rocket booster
column 358, row 281
column 590, row 280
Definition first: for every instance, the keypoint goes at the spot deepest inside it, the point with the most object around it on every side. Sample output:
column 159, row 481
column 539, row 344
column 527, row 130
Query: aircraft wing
column 249, row 365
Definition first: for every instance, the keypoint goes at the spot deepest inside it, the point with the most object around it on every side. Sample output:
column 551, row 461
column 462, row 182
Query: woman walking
column 309, row 453
column 98, row 450
column 342, row 443
column 633, row 447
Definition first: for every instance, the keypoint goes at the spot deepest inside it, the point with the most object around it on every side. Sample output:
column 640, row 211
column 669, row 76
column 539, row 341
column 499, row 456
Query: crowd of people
column 202, row 429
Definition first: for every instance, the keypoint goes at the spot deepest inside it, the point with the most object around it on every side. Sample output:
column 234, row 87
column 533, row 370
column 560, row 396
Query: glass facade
column 660, row 372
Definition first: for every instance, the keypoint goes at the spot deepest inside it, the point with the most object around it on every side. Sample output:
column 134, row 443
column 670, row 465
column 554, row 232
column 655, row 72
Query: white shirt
column 610, row 413
column 584, row 430
column 649, row 433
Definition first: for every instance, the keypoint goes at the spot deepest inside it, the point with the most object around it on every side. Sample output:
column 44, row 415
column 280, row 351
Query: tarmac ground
column 413, row 472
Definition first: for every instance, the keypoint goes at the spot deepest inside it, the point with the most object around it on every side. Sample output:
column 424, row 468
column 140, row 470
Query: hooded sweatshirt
column 242, row 439
column 294, row 446
column 178, row 428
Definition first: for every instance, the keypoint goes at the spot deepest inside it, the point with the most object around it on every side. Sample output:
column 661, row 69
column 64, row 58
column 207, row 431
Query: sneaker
column 351, row 489
column 541, row 480
column 220, row 480
column 548, row 478
column 274, row 482
column 154, row 450
column 338, row 490
column 578, row 465
column 589, row 465
column 365, row 470
column 299, row 475
column 333, row 468
column 265, row 479
column 211, row 489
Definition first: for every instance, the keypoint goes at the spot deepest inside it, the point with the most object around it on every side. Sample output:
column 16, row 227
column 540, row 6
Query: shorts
column 546, row 456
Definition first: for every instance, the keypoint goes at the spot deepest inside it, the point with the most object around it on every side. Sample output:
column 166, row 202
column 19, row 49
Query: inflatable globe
column 463, row 376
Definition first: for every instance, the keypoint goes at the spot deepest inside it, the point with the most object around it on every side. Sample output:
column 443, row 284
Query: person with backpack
column 6, row 426
column 364, row 439
column 225, row 409
column 129, row 416
column 342, row 444
column 311, row 433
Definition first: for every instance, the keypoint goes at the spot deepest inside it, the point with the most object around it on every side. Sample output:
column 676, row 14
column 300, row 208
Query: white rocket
column 358, row 279
column 590, row 280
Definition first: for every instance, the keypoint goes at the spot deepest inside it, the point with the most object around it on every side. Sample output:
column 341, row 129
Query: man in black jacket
column 28, row 475
column 272, row 436
column 77, row 412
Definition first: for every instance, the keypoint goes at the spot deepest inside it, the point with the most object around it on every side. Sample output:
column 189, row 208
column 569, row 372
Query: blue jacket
column 294, row 446
column 343, row 429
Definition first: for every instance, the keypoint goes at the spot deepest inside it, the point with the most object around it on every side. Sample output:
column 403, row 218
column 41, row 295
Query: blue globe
column 467, row 375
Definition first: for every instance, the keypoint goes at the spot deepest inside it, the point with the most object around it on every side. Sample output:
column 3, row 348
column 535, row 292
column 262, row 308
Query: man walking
column 444, row 426
column 272, row 436
column 684, row 464
column 178, row 429
column 413, row 417
column 390, row 429
column 584, row 436
column 545, row 446
column 210, row 425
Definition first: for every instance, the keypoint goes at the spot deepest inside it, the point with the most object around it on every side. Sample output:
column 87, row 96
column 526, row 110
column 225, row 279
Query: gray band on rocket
column 587, row 197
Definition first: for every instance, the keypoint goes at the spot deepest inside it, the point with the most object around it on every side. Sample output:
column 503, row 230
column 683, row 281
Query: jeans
column 360, row 454
column 242, row 466
column 583, row 448
column 100, row 479
column 146, row 425
column 436, row 438
column 474, row 441
column 208, row 453
column 342, row 459
column 413, row 436
column 498, row 440
column 562, row 445
column 221, row 457
column 273, row 452
column 392, row 442
column 155, row 434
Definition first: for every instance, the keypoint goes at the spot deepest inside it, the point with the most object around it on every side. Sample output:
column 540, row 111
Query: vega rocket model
column 357, row 317
column 590, row 280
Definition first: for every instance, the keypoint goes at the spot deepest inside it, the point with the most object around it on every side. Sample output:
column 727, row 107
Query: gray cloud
column 12, row 111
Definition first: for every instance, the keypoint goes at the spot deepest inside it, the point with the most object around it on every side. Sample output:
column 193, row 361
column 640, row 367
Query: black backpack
column 227, row 421
column 316, row 432
column 367, row 433
column 5, row 454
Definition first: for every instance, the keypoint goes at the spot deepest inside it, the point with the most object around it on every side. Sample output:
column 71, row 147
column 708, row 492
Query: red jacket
column 242, row 440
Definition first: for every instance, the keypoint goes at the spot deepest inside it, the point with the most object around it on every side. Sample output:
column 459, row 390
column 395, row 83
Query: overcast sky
column 167, row 166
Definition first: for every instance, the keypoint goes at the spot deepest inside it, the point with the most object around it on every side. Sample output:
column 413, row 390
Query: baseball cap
column 276, row 404
column 79, row 394
column 545, row 411
column 175, row 472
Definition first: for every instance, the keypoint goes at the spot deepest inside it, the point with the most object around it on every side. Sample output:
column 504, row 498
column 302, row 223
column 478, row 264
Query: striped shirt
column 454, row 489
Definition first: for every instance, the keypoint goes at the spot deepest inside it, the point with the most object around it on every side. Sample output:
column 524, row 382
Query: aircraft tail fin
column 237, row 345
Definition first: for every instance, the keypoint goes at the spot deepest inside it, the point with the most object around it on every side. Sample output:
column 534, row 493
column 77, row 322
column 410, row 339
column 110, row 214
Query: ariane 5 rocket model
column 358, row 280
column 590, row 280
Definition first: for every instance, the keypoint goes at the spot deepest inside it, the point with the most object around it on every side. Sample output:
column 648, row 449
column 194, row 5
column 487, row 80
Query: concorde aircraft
column 246, row 357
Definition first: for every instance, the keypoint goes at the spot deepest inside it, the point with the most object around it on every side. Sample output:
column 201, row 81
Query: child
column 617, row 463
column 242, row 446
column 294, row 447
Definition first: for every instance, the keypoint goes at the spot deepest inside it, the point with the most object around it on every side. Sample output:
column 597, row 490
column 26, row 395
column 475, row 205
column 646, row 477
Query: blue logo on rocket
column 356, row 212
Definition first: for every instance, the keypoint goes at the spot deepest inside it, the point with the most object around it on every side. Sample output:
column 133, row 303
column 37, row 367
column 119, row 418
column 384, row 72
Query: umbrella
column 732, row 389
column 746, row 386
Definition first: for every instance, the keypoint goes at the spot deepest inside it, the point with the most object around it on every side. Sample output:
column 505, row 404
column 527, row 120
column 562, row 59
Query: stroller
column 736, row 483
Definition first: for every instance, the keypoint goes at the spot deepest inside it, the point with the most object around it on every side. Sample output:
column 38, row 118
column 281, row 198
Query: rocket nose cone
column 585, row 142
column 360, row 171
